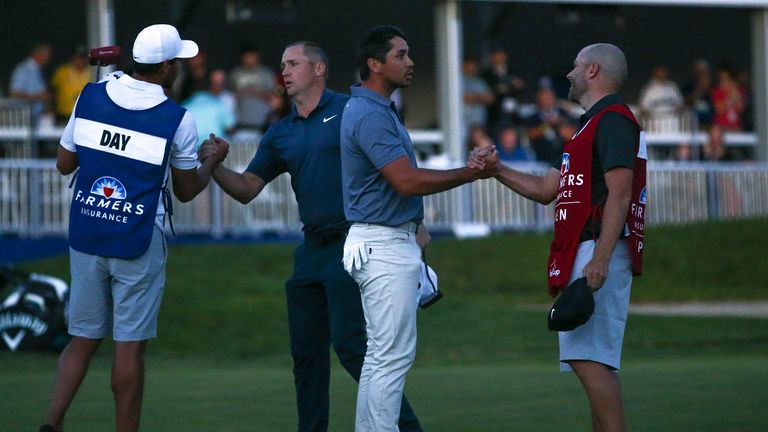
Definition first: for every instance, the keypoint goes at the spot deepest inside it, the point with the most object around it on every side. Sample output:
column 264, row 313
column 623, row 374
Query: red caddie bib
column 573, row 205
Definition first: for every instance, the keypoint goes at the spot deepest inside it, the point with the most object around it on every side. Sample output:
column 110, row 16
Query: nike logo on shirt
column 326, row 120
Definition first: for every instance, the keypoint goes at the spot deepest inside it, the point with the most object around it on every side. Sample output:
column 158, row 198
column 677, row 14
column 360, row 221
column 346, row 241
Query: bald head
column 613, row 64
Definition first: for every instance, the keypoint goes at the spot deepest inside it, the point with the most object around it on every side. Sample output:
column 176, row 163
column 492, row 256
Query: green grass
column 485, row 360
column 228, row 300
column 669, row 386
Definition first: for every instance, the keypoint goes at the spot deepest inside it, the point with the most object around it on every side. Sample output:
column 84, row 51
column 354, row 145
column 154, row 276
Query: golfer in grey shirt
column 383, row 191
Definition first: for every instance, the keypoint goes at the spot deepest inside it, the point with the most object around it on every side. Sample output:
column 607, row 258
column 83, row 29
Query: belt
column 409, row 226
column 324, row 238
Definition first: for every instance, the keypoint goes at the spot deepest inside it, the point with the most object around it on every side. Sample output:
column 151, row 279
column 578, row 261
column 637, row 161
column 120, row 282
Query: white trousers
column 388, row 282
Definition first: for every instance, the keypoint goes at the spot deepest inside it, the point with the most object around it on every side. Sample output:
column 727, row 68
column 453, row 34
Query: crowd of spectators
column 532, row 122
column 526, row 122
column 243, row 101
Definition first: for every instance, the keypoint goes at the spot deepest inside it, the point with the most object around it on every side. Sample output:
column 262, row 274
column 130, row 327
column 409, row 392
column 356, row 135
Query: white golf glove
column 354, row 256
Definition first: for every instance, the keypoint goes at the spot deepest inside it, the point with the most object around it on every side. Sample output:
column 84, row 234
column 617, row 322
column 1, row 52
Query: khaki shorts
column 600, row 339
column 117, row 294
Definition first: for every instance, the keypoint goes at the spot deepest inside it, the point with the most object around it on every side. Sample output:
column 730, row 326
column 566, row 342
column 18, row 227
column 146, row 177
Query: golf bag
column 32, row 312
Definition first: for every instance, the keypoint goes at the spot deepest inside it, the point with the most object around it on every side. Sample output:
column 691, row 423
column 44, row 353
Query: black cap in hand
column 572, row 308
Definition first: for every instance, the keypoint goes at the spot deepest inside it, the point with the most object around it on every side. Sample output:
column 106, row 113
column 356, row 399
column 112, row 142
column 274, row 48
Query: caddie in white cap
column 125, row 137
column 161, row 42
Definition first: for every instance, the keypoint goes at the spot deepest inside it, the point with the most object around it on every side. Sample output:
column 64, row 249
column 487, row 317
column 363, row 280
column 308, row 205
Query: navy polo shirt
column 308, row 149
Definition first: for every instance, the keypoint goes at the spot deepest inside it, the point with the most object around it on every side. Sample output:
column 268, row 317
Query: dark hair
column 728, row 69
column 39, row 47
column 249, row 47
column 146, row 69
column 202, row 84
column 314, row 52
column 471, row 58
column 496, row 46
column 376, row 44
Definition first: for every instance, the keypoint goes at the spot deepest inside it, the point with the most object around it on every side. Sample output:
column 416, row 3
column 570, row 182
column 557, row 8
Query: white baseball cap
column 161, row 42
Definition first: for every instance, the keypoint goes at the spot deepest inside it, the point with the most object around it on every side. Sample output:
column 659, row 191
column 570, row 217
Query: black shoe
column 47, row 428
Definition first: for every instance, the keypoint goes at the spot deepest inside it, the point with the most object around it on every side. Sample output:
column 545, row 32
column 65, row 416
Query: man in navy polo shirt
column 383, row 191
column 324, row 304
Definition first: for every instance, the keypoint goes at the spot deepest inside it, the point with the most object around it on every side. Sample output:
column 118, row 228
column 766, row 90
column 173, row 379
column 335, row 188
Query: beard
column 399, row 82
column 576, row 91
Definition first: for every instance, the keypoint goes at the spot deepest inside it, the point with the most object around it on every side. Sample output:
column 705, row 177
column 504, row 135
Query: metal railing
column 16, row 132
column 683, row 128
column 18, row 139
column 34, row 200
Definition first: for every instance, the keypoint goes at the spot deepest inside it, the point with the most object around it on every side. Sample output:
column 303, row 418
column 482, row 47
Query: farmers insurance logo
column 566, row 163
column 109, row 187
column 107, row 199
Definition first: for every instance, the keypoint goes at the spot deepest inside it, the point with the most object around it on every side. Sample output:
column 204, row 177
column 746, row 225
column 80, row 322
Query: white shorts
column 117, row 294
column 600, row 339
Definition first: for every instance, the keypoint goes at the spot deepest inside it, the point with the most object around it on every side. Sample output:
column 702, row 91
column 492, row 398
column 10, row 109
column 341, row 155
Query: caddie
column 125, row 136
column 599, row 190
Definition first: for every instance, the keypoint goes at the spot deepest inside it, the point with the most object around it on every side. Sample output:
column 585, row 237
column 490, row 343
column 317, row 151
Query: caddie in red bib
column 599, row 194
column 574, row 206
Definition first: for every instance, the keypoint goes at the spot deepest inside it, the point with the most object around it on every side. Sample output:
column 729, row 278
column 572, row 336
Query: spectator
column 543, row 126
column 506, row 88
column 567, row 130
column 211, row 113
column 477, row 95
column 683, row 153
column 27, row 81
column 697, row 93
column 714, row 150
column 67, row 83
column 279, row 105
column 661, row 102
column 728, row 99
column 509, row 147
column 253, row 83
column 478, row 137
column 219, row 89
column 195, row 76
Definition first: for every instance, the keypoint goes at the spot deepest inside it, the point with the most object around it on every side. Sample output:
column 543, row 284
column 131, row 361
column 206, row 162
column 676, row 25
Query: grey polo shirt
column 373, row 136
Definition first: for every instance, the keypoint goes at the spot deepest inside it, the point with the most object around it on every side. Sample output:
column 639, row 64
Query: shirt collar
column 600, row 105
column 359, row 90
column 324, row 99
column 140, row 85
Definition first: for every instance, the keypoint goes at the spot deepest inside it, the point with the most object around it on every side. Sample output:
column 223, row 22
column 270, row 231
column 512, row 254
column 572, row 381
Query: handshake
column 484, row 161
column 213, row 148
